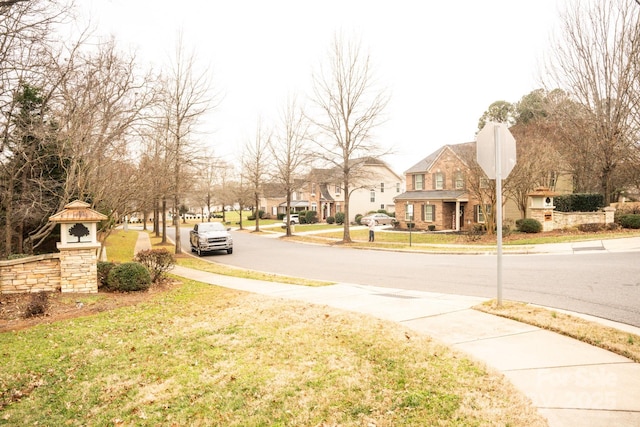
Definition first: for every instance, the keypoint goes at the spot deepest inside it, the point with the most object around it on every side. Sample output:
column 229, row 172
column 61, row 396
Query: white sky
column 443, row 62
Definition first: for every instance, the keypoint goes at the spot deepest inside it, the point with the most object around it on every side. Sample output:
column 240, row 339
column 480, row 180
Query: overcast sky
column 443, row 62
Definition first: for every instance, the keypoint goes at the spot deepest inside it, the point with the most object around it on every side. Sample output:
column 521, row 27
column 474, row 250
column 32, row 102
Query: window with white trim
column 382, row 187
column 480, row 214
column 459, row 180
column 418, row 182
column 439, row 181
column 373, row 196
column 429, row 213
column 408, row 213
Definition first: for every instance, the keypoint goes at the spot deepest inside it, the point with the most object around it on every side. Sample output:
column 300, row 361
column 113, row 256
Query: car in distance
column 379, row 218
column 293, row 219
column 209, row 237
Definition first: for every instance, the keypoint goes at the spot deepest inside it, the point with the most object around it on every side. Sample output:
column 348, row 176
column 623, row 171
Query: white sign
column 491, row 136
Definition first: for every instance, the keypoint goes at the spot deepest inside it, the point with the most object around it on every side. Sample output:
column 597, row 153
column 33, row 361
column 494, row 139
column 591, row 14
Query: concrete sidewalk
column 570, row 382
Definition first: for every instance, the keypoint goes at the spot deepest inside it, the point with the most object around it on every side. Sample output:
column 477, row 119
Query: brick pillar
column 79, row 269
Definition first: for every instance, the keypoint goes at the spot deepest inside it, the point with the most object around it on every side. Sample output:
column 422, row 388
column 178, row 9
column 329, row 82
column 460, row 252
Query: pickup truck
column 210, row 236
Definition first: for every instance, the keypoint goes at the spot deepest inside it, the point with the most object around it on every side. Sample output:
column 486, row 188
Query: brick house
column 437, row 193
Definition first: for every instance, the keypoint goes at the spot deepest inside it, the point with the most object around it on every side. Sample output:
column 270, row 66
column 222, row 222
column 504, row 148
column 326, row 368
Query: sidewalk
column 570, row 382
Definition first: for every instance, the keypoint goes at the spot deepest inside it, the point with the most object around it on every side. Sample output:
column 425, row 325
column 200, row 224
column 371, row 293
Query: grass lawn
column 201, row 355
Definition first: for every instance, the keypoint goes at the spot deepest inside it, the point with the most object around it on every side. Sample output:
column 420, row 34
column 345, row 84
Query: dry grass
column 623, row 343
column 202, row 355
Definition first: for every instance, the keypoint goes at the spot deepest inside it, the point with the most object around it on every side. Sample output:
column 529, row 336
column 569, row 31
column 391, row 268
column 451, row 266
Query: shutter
column 444, row 181
column 422, row 213
column 433, row 181
column 433, row 212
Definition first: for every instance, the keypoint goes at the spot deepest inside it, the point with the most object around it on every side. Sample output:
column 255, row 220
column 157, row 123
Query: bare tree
column 255, row 166
column 350, row 108
column 187, row 98
column 289, row 153
column 597, row 61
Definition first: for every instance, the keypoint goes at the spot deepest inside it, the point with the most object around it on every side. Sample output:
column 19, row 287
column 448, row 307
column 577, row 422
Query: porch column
column 457, row 215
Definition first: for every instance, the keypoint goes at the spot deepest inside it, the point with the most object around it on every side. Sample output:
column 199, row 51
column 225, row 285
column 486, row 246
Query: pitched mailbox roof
column 77, row 211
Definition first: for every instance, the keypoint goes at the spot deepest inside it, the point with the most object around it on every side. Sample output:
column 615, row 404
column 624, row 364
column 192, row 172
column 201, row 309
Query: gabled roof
column 427, row 163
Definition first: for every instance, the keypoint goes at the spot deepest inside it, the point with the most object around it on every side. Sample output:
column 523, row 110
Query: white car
column 378, row 218
column 293, row 219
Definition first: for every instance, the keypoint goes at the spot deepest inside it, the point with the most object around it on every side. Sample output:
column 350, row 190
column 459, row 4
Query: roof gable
column 428, row 162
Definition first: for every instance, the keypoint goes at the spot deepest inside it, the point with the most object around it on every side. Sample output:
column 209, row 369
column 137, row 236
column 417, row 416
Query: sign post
column 496, row 155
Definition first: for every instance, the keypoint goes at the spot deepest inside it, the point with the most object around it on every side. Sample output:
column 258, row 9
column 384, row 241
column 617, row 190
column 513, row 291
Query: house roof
column 324, row 193
column 296, row 204
column 445, row 195
column 428, row 162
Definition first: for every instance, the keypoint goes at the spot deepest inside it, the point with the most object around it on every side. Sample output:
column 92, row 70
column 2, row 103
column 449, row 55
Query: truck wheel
column 230, row 251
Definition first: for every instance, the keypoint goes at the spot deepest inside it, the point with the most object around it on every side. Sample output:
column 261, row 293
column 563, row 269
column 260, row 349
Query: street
column 601, row 284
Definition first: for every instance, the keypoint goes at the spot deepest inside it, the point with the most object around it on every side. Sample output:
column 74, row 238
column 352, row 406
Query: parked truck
column 209, row 237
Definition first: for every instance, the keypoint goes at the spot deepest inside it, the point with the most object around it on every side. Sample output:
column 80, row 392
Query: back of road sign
column 486, row 149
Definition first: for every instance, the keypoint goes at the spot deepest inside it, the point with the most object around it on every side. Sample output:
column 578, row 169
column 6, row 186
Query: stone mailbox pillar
column 541, row 207
column 78, row 247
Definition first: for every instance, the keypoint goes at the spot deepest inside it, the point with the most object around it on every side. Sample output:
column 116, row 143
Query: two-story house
column 437, row 193
column 373, row 187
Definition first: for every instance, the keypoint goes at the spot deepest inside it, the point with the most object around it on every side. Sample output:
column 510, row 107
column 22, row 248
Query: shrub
column 358, row 218
column 129, row 277
column 529, row 225
column 104, row 268
column 630, row 221
column 157, row 261
column 591, row 227
column 475, row 232
column 330, row 220
column 38, row 305
column 340, row 218
column 311, row 217
column 579, row 202
column 431, row 227
column 302, row 215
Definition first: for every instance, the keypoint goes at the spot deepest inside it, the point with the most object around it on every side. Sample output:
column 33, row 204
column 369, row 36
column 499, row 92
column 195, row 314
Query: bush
column 591, row 227
column 330, row 220
column 431, row 227
column 358, row 218
column 311, row 217
column 104, row 268
column 129, row 277
column 157, row 261
column 630, row 221
column 579, row 202
column 38, row 305
column 340, row 218
column 529, row 225
column 302, row 215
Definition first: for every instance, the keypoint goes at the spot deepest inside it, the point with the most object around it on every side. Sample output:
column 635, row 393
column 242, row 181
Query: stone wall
column 79, row 270
column 30, row 274
column 573, row 219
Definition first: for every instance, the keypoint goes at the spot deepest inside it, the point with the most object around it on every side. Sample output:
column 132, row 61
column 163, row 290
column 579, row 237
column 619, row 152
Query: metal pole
column 498, row 208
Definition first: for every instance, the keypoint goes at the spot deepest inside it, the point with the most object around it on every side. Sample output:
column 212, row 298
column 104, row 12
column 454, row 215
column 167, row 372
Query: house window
column 484, row 182
column 408, row 214
column 459, row 181
column 480, row 215
column 397, row 187
column 382, row 206
column 418, row 182
column 313, row 189
column 373, row 196
column 382, row 187
column 337, row 189
column 338, row 207
column 314, row 207
column 429, row 213
column 439, row 181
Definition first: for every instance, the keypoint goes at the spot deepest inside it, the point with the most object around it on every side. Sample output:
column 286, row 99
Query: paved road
column 601, row 284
